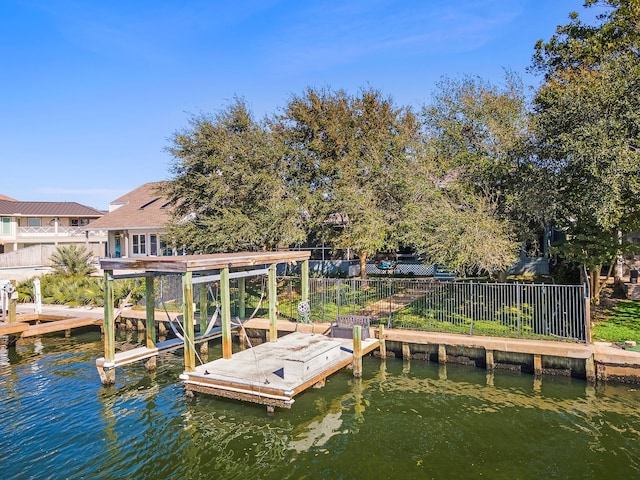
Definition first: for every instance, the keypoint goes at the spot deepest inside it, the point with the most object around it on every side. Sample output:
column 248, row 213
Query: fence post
column 587, row 316
column 471, row 304
column 518, row 307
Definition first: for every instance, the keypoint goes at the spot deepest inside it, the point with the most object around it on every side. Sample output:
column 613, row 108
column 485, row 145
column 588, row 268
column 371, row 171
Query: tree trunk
column 363, row 264
column 594, row 284
column 502, row 276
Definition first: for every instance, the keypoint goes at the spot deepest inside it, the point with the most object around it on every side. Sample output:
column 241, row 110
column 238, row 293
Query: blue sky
column 93, row 90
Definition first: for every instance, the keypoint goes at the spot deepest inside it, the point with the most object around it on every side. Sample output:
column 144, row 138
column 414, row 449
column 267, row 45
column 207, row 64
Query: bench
column 343, row 326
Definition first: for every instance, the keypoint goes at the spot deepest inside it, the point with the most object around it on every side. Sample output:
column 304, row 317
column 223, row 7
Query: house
column 136, row 223
column 26, row 224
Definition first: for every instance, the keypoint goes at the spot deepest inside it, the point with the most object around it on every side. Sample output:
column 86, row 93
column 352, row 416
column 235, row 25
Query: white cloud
column 327, row 35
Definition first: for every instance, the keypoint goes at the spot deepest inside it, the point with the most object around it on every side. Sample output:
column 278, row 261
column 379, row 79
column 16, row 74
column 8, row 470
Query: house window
column 153, row 244
column 6, row 226
column 79, row 222
column 139, row 244
column 34, row 222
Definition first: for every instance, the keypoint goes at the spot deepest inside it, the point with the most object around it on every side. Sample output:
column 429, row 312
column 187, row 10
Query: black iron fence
column 523, row 310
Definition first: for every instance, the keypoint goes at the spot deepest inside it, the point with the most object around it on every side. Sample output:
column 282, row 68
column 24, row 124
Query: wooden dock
column 37, row 324
column 273, row 373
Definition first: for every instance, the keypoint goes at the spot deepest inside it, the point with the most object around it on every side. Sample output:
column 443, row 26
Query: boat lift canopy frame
column 198, row 270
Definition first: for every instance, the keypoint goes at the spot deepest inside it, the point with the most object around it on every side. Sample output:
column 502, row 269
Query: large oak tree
column 587, row 118
column 229, row 187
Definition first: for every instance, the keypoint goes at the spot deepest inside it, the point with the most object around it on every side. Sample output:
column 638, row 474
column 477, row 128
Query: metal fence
column 256, row 299
column 557, row 312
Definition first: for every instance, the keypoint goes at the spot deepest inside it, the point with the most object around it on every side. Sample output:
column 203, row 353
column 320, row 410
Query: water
column 402, row 420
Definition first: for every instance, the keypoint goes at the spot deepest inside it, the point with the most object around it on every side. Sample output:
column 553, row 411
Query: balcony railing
column 59, row 232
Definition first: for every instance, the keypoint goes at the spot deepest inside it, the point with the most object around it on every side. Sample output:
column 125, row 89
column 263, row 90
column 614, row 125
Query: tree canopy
column 587, row 125
column 351, row 153
column 230, row 189
column 469, row 179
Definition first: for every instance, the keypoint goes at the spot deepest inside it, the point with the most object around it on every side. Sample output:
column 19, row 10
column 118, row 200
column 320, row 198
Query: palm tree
column 71, row 261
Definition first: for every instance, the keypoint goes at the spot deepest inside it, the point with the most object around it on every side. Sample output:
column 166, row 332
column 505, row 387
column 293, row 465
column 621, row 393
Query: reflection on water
column 403, row 419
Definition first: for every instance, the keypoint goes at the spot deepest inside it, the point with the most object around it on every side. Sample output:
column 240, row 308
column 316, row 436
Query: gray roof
column 47, row 209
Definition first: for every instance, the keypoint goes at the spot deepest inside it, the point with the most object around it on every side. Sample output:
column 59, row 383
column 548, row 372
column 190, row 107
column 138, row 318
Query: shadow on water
column 403, row 419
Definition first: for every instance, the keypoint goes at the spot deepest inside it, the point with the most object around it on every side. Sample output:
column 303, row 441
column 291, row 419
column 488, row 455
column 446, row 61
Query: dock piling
column 383, row 345
column 537, row 365
column 357, row 351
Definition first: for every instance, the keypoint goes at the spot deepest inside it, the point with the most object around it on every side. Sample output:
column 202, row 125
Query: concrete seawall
column 594, row 362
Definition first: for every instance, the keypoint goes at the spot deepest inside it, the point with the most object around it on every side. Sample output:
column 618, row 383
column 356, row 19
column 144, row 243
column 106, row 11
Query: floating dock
column 273, row 373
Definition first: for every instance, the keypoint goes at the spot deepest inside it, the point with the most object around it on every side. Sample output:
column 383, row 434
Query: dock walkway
column 30, row 324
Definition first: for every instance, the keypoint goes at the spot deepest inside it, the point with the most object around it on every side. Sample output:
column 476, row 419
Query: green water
column 403, row 420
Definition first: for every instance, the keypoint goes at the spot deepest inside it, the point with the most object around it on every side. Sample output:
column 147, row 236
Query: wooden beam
column 383, row 345
column 200, row 263
column 13, row 298
column 225, row 306
column 305, row 280
column 537, row 365
column 357, row 351
column 60, row 326
column 273, row 295
column 108, row 377
column 204, row 316
column 150, row 300
column 7, row 328
column 187, row 323
column 244, row 274
column 242, row 298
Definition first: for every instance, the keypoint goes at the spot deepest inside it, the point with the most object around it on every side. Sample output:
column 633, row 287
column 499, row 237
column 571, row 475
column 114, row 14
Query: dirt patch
column 610, row 297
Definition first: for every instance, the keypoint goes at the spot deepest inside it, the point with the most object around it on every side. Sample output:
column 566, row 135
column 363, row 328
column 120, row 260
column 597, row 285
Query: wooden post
column 587, row 314
column 381, row 340
column 108, row 377
column 242, row 298
column 273, row 295
column 225, row 307
column 243, row 340
column 537, row 365
column 357, row 351
column 442, row 353
column 13, row 299
column 305, row 280
column 203, row 309
column 187, row 325
column 150, row 301
column 150, row 321
column 590, row 369
column 406, row 351
column 490, row 363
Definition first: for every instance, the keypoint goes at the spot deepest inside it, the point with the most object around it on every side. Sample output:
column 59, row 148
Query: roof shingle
column 143, row 207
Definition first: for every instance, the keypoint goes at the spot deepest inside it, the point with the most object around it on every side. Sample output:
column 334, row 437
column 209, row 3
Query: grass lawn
column 618, row 322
